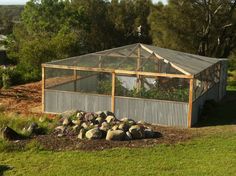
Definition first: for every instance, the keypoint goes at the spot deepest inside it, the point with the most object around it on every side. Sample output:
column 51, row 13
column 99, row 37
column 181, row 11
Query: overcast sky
column 5, row 2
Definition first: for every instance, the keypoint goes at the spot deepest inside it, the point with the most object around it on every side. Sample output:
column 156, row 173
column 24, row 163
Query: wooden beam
column 159, row 57
column 105, row 70
column 43, row 87
column 190, row 103
column 113, row 92
column 75, row 79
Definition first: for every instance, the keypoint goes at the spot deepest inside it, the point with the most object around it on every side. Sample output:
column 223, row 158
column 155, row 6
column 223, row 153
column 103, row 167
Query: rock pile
column 102, row 125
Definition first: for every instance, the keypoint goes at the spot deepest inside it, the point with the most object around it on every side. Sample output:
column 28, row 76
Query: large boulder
column 137, row 132
column 80, row 115
column 66, row 122
column 110, row 119
column 82, row 133
column 149, row 133
column 101, row 114
column 123, row 126
column 32, row 128
column 94, row 133
column 116, row 135
column 10, row 134
column 99, row 120
column 128, row 136
column 90, row 117
column 60, row 129
column 105, row 126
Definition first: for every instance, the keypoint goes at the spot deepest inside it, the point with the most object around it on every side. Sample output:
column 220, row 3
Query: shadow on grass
column 223, row 114
column 4, row 168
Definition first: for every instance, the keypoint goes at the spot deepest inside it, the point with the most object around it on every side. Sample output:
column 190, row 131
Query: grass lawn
column 210, row 155
column 213, row 153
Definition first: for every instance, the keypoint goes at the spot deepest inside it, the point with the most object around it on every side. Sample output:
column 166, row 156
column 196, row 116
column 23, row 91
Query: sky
column 11, row 2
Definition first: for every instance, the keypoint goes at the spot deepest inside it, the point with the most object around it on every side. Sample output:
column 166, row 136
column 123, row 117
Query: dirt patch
column 70, row 142
column 23, row 99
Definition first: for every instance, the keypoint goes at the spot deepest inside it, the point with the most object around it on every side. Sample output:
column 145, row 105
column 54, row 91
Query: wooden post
column 113, row 92
column 190, row 103
column 75, row 79
column 43, row 87
column 138, row 68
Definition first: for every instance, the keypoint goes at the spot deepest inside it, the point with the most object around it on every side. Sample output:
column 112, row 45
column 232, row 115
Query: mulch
column 71, row 142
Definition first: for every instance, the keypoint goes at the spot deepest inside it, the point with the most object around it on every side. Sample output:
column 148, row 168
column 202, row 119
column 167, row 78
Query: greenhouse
column 139, row 81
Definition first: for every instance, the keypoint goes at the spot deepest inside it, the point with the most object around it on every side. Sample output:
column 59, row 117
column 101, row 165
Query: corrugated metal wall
column 60, row 101
column 212, row 93
column 153, row 111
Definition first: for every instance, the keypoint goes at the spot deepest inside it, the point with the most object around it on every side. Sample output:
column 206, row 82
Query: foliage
column 39, row 39
column 203, row 27
column 8, row 16
column 169, row 93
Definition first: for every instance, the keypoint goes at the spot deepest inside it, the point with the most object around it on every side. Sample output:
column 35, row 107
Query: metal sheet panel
column 213, row 93
column 60, row 101
column 153, row 111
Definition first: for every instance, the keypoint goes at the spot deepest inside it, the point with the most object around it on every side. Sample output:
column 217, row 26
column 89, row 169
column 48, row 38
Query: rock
column 123, row 126
column 82, row 133
column 76, row 128
column 60, row 129
column 68, row 114
column 94, row 133
column 125, row 119
column 141, row 122
column 137, row 132
column 101, row 114
column 66, row 122
column 99, row 120
column 116, row 135
column 77, row 122
column 110, row 119
column 10, row 134
column 89, row 117
column 60, row 135
column 105, row 126
column 85, row 125
column 115, row 127
column 80, row 115
column 109, row 113
column 128, row 136
column 149, row 133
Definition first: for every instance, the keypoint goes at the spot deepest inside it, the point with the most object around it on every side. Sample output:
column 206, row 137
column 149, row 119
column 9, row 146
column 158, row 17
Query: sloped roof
column 125, row 58
column 188, row 63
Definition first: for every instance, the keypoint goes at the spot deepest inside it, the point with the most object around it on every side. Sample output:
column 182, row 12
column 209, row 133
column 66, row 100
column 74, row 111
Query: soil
column 26, row 100
column 165, row 135
column 23, row 99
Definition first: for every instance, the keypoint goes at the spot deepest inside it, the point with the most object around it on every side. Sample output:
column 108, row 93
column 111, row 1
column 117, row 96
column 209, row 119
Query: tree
column 49, row 30
column 127, row 16
column 205, row 27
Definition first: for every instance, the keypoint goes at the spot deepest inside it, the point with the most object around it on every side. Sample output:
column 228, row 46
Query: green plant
column 34, row 145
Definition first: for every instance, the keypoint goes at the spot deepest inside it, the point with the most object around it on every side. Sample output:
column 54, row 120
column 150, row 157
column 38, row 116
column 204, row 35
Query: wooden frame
column 190, row 103
column 43, row 88
column 151, row 74
column 113, row 92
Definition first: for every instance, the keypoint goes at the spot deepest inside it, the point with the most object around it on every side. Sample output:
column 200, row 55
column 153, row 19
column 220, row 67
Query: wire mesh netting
column 55, row 77
column 206, row 80
column 158, row 88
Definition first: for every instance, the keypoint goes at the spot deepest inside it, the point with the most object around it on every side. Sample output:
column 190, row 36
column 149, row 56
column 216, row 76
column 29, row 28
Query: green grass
column 211, row 155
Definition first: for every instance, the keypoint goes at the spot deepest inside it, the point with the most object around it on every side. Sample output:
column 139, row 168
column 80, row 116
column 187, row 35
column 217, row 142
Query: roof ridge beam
column 165, row 60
